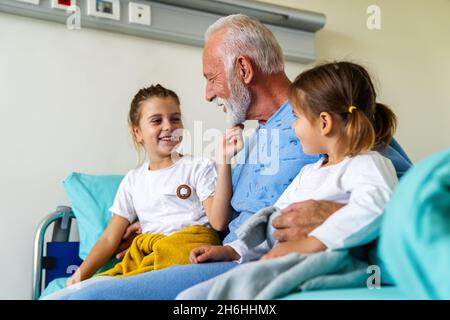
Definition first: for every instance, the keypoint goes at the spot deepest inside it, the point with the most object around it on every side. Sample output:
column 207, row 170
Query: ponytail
column 364, row 135
column 359, row 133
column 385, row 124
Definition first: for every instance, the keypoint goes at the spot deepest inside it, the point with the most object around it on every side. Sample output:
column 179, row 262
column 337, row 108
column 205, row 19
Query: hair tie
column 351, row 108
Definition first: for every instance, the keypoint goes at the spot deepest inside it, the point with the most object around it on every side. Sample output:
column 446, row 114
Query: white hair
column 248, row 37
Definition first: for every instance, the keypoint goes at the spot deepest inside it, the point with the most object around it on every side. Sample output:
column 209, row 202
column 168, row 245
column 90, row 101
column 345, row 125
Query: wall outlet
column 30, row 1
column 139, row 13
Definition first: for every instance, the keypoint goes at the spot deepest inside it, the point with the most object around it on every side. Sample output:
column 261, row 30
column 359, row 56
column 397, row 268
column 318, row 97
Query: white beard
column 238, row 103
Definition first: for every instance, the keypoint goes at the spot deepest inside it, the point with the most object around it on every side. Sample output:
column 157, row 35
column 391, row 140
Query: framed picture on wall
column 63, row 4
column 109, row 9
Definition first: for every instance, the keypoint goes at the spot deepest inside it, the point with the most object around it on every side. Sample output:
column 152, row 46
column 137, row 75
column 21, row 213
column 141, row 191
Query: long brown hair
column 334, row 88
column 134, row 116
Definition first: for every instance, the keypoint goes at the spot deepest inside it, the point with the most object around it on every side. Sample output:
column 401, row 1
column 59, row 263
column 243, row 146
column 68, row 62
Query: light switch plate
column 139, row 13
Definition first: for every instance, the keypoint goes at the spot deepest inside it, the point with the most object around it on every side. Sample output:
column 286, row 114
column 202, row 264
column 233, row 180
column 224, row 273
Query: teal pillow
column 415, row 233
column 90, row 197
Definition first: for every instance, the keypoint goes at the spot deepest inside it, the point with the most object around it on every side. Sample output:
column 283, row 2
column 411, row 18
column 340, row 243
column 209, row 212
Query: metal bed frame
column 61, row 219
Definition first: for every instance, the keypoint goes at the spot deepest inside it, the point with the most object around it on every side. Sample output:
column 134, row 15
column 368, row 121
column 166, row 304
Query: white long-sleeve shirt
column 363, row 183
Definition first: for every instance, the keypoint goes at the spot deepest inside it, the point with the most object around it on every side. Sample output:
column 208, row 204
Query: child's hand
column 306, row 245
column 233, row 142
column 130, row 233
column 213, row 253
column 74, row 279
column 281, row 249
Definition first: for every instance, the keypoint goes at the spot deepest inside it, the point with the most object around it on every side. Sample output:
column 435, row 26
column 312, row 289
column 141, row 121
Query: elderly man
column 244, row 70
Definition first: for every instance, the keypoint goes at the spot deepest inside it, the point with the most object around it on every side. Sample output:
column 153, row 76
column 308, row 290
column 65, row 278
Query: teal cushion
column 384, row 293
column 375, row 259
column 90, row 197
column 415, row 237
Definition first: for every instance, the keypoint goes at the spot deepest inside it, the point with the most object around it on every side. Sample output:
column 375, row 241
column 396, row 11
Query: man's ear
column 244, row 69
column 326, row 123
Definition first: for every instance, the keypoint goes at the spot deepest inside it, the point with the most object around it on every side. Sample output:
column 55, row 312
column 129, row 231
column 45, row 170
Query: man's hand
column 213, row 253
column 132, row 231
column 298, row 219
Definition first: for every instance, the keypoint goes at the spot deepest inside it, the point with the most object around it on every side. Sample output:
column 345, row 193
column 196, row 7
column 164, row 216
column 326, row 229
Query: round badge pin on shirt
column 184, row 191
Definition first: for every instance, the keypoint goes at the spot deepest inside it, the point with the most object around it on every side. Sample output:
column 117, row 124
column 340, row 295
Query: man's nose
column 209, row 93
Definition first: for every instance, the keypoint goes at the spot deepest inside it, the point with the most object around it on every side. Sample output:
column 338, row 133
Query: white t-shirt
column 363, row 182
column 167, row 200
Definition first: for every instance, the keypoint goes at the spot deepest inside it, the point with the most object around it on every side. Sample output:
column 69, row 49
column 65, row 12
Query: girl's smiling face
column 160, row 126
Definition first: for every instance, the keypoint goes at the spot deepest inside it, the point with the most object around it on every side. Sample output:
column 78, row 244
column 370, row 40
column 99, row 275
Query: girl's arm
column 103, row 249
column 217, row 207
column 305, row 245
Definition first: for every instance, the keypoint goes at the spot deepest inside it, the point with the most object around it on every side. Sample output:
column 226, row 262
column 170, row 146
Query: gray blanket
column 269, row 279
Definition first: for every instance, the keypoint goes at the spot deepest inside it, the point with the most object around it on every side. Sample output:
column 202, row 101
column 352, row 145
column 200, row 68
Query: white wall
column 64, row 96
